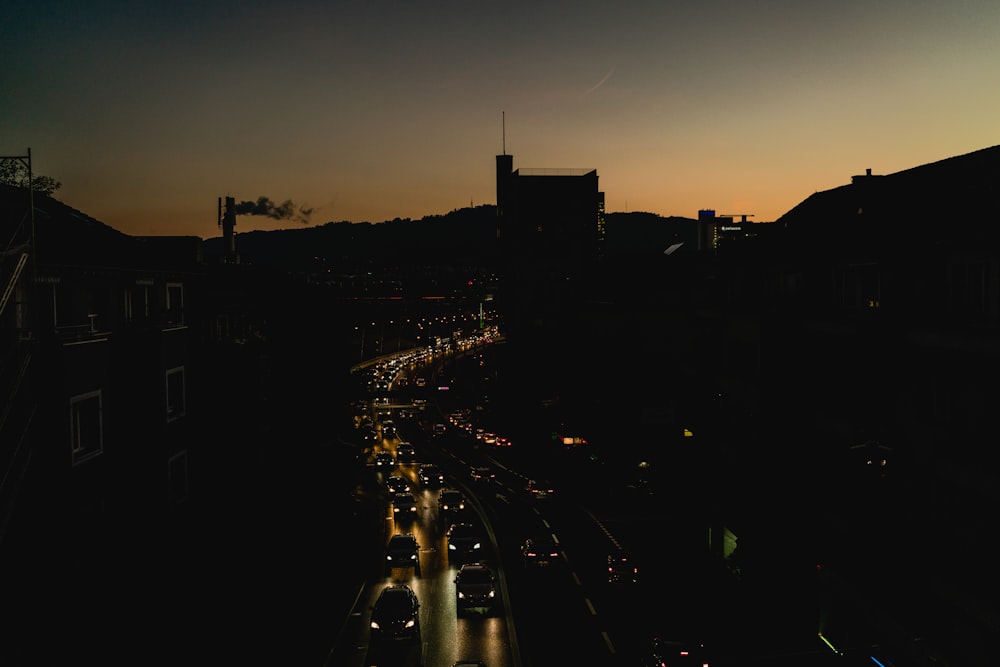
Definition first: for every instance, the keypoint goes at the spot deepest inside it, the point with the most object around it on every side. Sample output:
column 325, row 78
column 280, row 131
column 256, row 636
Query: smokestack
column 227, row 220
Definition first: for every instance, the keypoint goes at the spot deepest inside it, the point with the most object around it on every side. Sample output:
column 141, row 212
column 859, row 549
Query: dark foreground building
column 836, row 367
column 153, row 408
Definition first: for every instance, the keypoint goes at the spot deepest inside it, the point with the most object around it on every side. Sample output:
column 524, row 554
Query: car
column 667, row 652
column 384, row 459
column 397, row 484
column 622, row 568
column 464, row 542
column 475, row 589
column 538, row 489
column 451, row 502
column 489, row 438
column 540, row 552
column 482, row 474
column 430, row 475
column 395, row 616
column 403, row 550
column 502, row 441
column 404, row 506
column 406, row 453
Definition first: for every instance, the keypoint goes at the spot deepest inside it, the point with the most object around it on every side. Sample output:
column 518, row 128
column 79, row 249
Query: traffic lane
column 679, row 591
column 554, row 617
column 445, row 638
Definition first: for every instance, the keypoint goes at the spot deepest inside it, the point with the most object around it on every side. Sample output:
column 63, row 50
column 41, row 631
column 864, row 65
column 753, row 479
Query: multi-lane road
column 569, row 612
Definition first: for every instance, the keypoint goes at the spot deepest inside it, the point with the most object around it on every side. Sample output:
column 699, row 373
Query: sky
column 307, row 112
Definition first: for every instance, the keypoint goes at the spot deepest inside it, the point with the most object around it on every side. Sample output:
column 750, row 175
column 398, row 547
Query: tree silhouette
column 15, row 173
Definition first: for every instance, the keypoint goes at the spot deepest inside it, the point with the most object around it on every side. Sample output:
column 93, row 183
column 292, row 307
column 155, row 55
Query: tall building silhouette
column 550, row 229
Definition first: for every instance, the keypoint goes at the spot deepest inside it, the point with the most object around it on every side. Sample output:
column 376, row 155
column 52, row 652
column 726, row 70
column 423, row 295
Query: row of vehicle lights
column 487, row 437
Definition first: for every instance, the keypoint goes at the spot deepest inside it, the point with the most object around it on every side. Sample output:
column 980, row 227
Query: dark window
column 177, row 477
column 86, row 429
column 175, row 393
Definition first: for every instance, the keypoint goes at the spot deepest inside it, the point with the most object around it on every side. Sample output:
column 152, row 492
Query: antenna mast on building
column 503, row 131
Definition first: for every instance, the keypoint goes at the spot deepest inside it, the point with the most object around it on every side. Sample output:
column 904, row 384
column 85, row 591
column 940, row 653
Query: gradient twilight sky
column 148, row 112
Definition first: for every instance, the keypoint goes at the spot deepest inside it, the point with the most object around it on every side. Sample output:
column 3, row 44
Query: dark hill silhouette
column 466, row 236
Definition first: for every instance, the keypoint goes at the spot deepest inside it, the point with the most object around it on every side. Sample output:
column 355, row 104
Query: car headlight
column 375, row 625
column 410, row 623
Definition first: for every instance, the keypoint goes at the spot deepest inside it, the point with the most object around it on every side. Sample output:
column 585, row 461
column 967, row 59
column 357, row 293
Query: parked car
column 403, row 550
column 396, row 615
column 475, row 589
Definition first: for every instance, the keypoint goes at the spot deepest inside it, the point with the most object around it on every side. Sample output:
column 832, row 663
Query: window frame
column 80, row 428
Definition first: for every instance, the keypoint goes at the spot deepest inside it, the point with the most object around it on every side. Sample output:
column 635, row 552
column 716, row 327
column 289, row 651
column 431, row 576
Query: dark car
column 475, row 588
column 668, row 652
column 464, row 542
column 406, row 453
column 384, row 459
column 622, row 568
column 539, row 489
column 397, row 484
column 404, row 506
column 451, row 502
column 540, row 552
column 482, row 474
column 431, row 475
column 403, row 550
column 396, row 615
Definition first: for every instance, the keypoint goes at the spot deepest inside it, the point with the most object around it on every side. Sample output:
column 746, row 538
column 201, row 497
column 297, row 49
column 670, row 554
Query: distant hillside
column 464, row 236
column 644, row 233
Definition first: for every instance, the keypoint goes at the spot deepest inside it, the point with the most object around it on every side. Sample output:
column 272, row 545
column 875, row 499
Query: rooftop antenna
column 503, row 131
